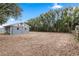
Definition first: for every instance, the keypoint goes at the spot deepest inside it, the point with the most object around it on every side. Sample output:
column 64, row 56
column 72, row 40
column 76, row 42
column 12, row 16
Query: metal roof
column 5, row 25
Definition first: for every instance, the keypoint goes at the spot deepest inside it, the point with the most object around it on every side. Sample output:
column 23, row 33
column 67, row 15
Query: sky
column 32, row 10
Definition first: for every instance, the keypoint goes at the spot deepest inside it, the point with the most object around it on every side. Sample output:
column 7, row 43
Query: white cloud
column 56, row 6
column 12, row 20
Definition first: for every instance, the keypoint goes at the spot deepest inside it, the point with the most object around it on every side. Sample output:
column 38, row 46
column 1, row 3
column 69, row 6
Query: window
column 18, row 28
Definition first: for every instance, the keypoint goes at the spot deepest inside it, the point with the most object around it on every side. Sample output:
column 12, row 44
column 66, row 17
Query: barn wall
column 21, row 30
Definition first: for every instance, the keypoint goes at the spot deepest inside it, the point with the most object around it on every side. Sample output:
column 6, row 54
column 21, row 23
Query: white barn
column 18, row 28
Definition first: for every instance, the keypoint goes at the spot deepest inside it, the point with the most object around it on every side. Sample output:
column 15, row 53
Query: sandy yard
column 39, row 44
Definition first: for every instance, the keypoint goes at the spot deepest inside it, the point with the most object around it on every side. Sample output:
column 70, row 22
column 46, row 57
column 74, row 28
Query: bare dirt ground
column 39, row 44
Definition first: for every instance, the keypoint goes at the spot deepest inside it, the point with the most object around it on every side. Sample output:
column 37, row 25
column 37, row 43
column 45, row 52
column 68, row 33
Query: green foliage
column 8, row 10
column 59, row 20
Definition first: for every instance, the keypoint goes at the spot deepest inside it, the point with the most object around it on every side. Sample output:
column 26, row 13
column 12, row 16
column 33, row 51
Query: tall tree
column 8, row 10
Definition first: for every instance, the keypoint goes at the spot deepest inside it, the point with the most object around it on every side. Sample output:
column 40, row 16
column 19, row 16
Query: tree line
column 58, row 20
